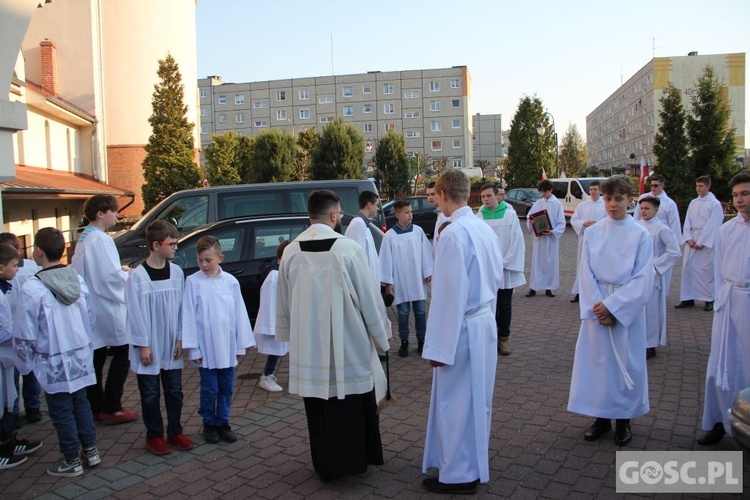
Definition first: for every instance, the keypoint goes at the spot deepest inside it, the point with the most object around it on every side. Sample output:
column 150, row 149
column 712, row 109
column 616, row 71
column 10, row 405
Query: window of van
column 231, row 241
column 585, row 183
column 187, row 213
column 237, row 204
column 575, row 190
column 268, row 238
column 560, row 189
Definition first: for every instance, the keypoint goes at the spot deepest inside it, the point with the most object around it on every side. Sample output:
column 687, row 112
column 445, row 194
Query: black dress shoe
column 684, row 304
column 575, row 299
column 531, row 293
column 713, row 436
column 622, row 432
column 650, row 352
column 600, row 427
column 435, row 486
column 549, row 293
column 709, row 306
column 404, row 349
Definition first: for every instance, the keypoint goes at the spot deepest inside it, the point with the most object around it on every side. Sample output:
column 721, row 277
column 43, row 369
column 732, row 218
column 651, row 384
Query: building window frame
column 239, row 118
column 389, row 108
column 280, row 95
column 435, row 106
column 347, row 91
column 436, row 126
column 436, row 145
column 304, row 94
column 304, row 113
column 222, row 99
column 434, row 86
column 239, row 99
column 387, row 88
column 281, row 115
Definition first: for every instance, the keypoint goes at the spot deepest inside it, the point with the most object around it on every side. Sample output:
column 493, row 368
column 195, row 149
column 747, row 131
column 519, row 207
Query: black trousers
column 503, row 312
column 108, row 398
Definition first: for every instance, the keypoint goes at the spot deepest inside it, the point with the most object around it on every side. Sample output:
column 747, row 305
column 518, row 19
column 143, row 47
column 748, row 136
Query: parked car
column 193, row 208
column 424, row 213
column 571, row 191
column 249, row 247
column 521, row 199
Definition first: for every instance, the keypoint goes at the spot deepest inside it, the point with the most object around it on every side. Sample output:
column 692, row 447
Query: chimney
column 49, row 67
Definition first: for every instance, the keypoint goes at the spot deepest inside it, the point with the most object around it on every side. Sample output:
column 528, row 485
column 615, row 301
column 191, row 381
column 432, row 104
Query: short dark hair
column 281, row 247
column 431, row 185
column 7, row 254
column 594, row 183
column 366, row 197
column 489, row 185
column 658, row 178
column 160, row 230
column 51, row 241
column 207, row 243
column 741, row 177
column 545, row 185
column 704, row 179
column 321, row 202
column 650, row 199
column 99, row 203
column 399, row 204
column 9, row 239
column 617, row 184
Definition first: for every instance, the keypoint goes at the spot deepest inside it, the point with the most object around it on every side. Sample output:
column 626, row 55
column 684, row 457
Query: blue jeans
column 419, row 319
column 148, row 385
column 216, row 395
column 271, row 364
column 7, row 423
column 31, row 392
column 73, row 421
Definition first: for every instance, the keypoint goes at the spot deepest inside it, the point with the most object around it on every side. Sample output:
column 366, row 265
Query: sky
column 572, row 55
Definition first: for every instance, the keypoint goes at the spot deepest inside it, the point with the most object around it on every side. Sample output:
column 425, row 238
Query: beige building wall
column 626, row 122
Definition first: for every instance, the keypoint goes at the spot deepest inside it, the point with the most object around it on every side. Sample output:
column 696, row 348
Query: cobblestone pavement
column 536, row 447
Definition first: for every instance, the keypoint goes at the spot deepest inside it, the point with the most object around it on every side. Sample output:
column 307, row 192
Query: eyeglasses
column 339, row 212
column 172, row 244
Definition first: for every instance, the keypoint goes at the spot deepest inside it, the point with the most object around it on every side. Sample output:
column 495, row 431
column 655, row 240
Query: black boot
column 575, row 299
column 549, row 293
column 622, row 431
column 404, row 350
column 709, row 306
column 650, row 352
column 600, row 427
column 684, row 304
column 713, row 436
column 531, row 293
column 420, row 346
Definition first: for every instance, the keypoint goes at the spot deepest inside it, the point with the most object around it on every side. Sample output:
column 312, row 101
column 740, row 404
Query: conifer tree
column 339, row 152
column 671, row 148
column 529, row 153
column 221, row 159
column 169, row 165
column 392, row 175
column 572, row 153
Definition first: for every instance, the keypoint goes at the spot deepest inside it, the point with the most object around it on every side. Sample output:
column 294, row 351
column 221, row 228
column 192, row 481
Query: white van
column 572, row 190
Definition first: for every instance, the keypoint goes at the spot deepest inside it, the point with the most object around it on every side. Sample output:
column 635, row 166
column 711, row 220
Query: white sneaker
column 268, row 382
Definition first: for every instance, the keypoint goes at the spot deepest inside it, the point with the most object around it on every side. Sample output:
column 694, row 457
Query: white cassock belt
column 611, row 287
column 722, row 301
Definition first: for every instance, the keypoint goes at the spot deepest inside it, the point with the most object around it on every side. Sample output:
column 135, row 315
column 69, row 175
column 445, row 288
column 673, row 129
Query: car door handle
column 236, row 272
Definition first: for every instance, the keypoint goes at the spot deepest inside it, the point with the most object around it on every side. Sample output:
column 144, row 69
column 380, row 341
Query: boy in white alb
column 405, row 268
column 265, row 326
column 666, row 254
column 216, row 331
column 545, row 257
column 359, row 229
column 154, row 298
column 586, row 214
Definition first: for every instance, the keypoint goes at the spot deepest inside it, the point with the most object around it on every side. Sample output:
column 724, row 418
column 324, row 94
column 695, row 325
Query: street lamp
column 541, row 131
column 292, row 123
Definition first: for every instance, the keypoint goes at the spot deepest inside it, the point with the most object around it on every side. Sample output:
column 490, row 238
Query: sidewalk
column 536, row 448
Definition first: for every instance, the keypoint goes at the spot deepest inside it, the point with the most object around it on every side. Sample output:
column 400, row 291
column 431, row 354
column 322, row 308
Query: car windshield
column 585, row 183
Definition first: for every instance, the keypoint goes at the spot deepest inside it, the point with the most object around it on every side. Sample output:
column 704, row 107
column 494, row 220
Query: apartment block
column 430, row 107
column 489, row 141
column 626, row 122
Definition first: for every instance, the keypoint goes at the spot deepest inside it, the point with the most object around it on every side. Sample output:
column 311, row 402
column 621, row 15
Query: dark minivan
column 193, row 208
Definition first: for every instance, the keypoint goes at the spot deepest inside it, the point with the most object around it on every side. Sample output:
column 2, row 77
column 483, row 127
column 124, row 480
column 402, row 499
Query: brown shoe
column 503, row 347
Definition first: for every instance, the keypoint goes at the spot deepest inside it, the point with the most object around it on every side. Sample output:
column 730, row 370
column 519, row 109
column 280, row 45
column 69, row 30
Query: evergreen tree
column 529, row 152
column 221, row 159
column 272, row 156
column 169, row 164
column 573, row 153
column 339, row 152
column 393, row 174
column 710, row 136
column 671, row 148
column 306, row 142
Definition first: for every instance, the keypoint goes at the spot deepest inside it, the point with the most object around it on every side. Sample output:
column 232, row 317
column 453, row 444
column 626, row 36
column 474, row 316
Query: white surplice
column 360, row 232
column 26, row 271
column 670, row 217
column 96, row 260
column 728, row 370
column 545, row 257
column 265, row 323
column 702, row 223
column 609, row 377
column 405, row 261
column 55, row 340
column 585, row 211
column 329, row 309
column 8, row 359
column 512, row 246
column 666, row 254
column 215, row 325
column 462, row 333
column 154, row 319
column 441, row 219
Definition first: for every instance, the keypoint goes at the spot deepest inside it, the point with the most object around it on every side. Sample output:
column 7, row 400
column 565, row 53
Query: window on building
column 455, row 84
column 388, row 88
column 435, row 126
column 456, row 143
column 412, row 114
column 412, row 134
column 347, row 92
column 304, row 94
column 222, row 118
column 436, row 146
column 456, row 103
column 239, row 118
column 260, row 104
column 367, row 127
column 413, row 94
column 366, row 89
column 260, row 123
column 434, row 86
column 388, row 108
column 390, row 127
column 458, row 163
column 281, row 95
column 325, row 100
column 434, row 105
column 348, row 110
column 304, row 113
column 367, row 108
column 281, row 114
column 204, row 112
column 222, row 99
column 456, row 123
column 325, row 119
column 239, row 99
column 204, row 130
column 204, row 93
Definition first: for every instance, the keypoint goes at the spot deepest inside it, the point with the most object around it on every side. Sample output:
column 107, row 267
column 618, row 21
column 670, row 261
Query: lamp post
column 541, row 129
column 294, row 133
